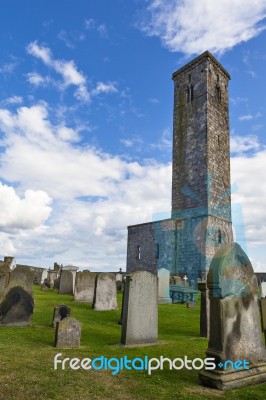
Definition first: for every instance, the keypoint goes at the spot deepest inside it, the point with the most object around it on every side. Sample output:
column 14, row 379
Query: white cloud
column 241, row 144
column 12, row 100
column 102, row 87
column 192, row 27
column 246, row 117
column 36, row 79
column 67, row 70
column 23, row 213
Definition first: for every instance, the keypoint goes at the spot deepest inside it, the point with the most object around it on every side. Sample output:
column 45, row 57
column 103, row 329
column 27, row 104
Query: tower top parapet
column 205, row 55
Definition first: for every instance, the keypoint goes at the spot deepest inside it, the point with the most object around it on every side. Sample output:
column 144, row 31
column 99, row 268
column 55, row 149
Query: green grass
column 26, row 357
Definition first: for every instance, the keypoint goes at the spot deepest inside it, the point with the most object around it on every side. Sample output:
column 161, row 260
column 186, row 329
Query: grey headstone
column 60, row 312
column 66, row 282
column 22, row 276
column 85, row 286
column 67, row 334
column 16, row 307
column 105, row 293
column 140, row 309
column 164, row 286
column 263, row 290
column 235, row 332
column 51, row 277
column 191, row 304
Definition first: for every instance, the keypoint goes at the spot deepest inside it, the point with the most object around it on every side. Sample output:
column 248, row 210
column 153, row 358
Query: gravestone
column 105, row 293
column 235, row 331
column 4, row 278
column 66, row 282
column 140, row 309
column 262, row 290
column 85, row 286
column 119, row 286
column 51, row 277
column 204, row 309
column 16, row 308
column 67, row 334
column 60, row 312
column 164, row 286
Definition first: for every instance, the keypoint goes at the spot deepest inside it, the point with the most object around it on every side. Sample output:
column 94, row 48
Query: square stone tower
column 201, row 196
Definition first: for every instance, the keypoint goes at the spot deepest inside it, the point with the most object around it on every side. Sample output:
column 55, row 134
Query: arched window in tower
column 219, row 236
column 157, row 251
column 218, row 94
column 190, row 93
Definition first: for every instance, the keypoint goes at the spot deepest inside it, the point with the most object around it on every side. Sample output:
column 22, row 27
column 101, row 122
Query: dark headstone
column 67, row 334
column 16, row 307
column 204, row 309
column 60, row 312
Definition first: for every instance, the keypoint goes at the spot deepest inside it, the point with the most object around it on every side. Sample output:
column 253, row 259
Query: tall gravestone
column 140, row 309
column 66, row 283
column 85, row 286
column 164, row 286
column 235, row 331
column 105, row 293
column 16, row 299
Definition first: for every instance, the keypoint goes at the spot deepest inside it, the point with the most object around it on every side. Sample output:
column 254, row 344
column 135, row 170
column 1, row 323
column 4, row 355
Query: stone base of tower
column 184, row 244
column 225, row 380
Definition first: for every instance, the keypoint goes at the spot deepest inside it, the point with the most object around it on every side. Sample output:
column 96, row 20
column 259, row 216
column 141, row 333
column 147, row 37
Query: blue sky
column 86, row 120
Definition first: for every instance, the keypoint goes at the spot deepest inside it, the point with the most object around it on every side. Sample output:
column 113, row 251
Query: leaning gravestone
column 16, row 300
column 105, row 293
column 164, row 286
column 60, row 312
column 67, row 334
column 85, row 286
column 140, row 309
column 235, row 332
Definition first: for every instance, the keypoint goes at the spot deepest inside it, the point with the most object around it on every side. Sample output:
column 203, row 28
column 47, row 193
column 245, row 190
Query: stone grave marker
column 60, row 312
column 85, row 286
column 164, row 286
column 16, row 299
column 67, row 334
column 262, row 290
column 204, row 309
column 140, row 309
column 66, row 282
column 235, row 331
column 105, row 293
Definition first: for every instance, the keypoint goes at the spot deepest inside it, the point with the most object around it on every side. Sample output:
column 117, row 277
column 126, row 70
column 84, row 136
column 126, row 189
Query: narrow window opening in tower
column 138, row 252
column 218, row 139
column 218, row 94
column 219, row 237
column 157, row 251
column 187, row 94
column 191, row 93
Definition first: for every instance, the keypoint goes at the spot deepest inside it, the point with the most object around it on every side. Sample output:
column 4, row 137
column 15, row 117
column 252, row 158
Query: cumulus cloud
column 23, row 213
column 242, row 144
column 102, row 87
column 192, row 27
column 67, row 70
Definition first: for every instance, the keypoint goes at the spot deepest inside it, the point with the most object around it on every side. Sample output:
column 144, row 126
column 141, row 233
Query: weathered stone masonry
column 201, row 197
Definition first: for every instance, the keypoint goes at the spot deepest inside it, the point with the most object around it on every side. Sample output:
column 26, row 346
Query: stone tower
column 201, row 196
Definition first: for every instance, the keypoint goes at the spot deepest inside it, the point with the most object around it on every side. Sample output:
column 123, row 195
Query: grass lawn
column 27, row 354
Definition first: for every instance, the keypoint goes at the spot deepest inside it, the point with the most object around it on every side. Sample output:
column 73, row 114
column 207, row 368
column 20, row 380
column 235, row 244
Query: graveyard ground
column 26, row 357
